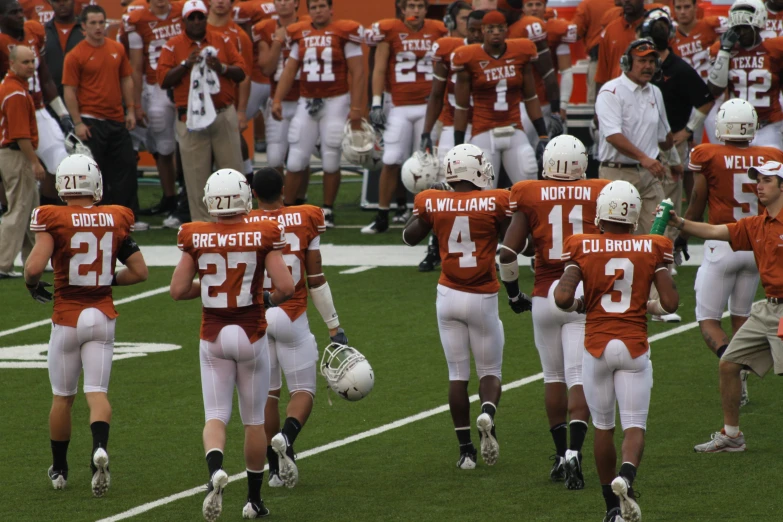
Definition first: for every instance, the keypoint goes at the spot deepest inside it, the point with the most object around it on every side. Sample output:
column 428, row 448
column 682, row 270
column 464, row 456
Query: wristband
column 681, row 225
column 223, row 68
column 30, row 286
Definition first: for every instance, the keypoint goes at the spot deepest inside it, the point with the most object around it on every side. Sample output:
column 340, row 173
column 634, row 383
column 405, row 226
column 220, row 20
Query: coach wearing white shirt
column 633, row 127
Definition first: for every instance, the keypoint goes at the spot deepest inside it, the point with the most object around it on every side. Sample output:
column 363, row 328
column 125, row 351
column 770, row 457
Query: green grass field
column 404, row 473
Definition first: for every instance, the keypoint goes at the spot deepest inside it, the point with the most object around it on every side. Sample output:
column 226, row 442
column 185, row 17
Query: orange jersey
column 17, row 112
column 731, row 194
column 253, row 11
column 754, row 75
column 264, row 31
column 496, row 83
column 303, row 224
column 230, row 260
column 441, row 52
column 86, row 241
column 409, row 70
column 467, row 225
column 617, row 271
column 535, row 30
column 555, row 211
column 321, row 54
column 41, row 11
column 694, row 47
column 35, row 39
column 154, row 33
column 241, row 41
column 774, row 24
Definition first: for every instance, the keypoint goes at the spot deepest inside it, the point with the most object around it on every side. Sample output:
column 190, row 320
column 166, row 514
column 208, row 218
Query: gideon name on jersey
column 460, row 205
column 287, row 220
column 748, row 62
column 616, row 245
column 92, row 220
column 568, row 192
column 499, row 73
column 213, row 240
column 742, row 162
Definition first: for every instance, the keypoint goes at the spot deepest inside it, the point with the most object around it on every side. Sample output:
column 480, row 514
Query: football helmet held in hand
column 362, row 147
column 347, row 371
column 227, row 193
column 420, row 171
column 73, row 145
column 79, row 175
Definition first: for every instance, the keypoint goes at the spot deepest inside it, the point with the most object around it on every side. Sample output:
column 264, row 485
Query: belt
column 775, row 300
column 614, row 165
column 11, row 146
column 183, row 111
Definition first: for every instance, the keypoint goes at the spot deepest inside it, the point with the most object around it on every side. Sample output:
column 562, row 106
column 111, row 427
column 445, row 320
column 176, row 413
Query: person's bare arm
column 668, row 299
column 462, row 101
column 357, row 85
column 281, row 278
column 38, row 259
column 320, row 292
column 565, row 290
column 698, row 202
column 183, row 287
column 135, row 271
column 440, row 78
column 546, row 70
column 415, row 231
column 382, row 51
column 702, row 230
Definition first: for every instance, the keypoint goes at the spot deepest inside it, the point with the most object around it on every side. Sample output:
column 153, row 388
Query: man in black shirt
column 64, row 27
column 687, row 100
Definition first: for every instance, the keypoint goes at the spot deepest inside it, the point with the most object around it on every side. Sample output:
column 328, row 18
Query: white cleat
column 251, row 511
column 489, row 444
column 213, row 503
column 275, row 481
column 467, row 460
column 289, row 473
column 668, row 318
column 101, row 479
column 58, row 478
column 628, row 506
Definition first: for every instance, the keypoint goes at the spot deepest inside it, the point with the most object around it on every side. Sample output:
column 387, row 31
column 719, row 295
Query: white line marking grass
column 358, row 269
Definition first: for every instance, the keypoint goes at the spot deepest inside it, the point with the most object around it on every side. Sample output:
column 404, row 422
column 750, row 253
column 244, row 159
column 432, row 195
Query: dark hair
column 268, row 184
column 477, row 15
column 91, row 9
column 328, row 2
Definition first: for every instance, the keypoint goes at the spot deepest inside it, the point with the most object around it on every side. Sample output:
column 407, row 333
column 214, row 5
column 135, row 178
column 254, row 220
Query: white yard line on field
column 358, row 269
column 363, row 435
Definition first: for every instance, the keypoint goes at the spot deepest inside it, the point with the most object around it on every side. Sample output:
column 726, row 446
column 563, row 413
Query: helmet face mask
column 79, row 175
column 362, row 147
column 619, row 202
column 227, row 193
column 347, row 371
column 468, row 163
column 736, row 120
column 748, row 12
column 565, row 159
column 420, row 171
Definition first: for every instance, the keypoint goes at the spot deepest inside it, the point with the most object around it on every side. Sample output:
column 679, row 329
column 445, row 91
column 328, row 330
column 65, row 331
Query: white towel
column 204, row 82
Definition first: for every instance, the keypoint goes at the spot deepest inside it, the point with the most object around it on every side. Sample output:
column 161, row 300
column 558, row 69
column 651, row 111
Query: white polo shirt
column 636, row 112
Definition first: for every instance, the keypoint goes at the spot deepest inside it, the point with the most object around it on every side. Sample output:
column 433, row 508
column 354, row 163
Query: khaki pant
column 218, row 144
column 756, row 344
column 673, row 189
column 649, row 187
column 592, row 66
column 22, row 193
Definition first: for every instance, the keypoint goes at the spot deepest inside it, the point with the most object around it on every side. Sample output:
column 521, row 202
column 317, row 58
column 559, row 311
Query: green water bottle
column 662, row 217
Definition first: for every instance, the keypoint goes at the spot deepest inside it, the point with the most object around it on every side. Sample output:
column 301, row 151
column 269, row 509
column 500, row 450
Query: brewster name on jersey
column 92, row 220
column 616, row 245
column 462, row 205
column 567, row 193
column 214, row 239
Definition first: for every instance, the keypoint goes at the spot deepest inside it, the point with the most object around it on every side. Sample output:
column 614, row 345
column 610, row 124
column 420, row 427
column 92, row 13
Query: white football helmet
column 618, row 202
column 362, row 147
column 565, row 159
column 736, row 120
column 79, row 175
column 227, row 193
column 73, row 145
column 748, row 12
column 467, row 163
column 347, row 371
column 420, row 171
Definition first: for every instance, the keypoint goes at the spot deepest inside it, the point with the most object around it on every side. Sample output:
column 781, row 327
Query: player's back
column 467, row 225
column 731, row 194
column 230, row 258
column 303, row 226
column 86, row 241
column 555, row 211
column 617, row 272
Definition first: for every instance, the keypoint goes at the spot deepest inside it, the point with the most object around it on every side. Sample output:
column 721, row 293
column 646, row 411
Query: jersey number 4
column 312, row 65
column 460, row 243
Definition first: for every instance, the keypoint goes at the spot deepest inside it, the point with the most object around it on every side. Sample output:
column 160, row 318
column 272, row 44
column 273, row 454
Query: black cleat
column 432, row 260
column 166, row 205
column 613, row 515
column 558, row 473
column 467, row 459
column 573, row 470
column 254, row 510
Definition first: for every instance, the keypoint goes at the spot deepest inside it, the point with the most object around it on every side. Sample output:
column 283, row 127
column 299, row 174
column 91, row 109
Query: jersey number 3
column 623, row 285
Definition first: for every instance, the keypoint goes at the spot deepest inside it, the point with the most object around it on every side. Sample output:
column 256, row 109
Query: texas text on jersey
column 694, row 47
column 154, row 33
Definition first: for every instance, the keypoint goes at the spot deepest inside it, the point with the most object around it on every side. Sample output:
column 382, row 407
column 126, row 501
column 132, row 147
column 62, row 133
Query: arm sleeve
column 571, row 250
column 40, row 220
column 127, row 248
column 71, row 69
column 697, row 160
column 294, row 54
column 503, row 205
column 516, row 198
column 17, row 108
column 232, row 54
column 603, row 68
column 609, row 109
column 698, row 92
column 665, row 250
column 247, row 52
column 125, row 66
column 135, row 41
column 183, row 238
column 352, row 50
column 420, row 207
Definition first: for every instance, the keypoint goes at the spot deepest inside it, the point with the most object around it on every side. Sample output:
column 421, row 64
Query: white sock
column 731, row 431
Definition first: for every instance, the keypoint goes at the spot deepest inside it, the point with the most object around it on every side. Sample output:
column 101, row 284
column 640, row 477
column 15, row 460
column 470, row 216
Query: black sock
column 578, row 433
column 489, row 408
column 628, row 472
column 300, row 201
column 402, row 205
column 383, row 214
column 291, row 429
column 612, row 500
column 720, row 351
column 59, row 454
column 560, row 436
column 274, row 463
column 100, row 435
column 214, row 461
column 463, row 436
column 254, row 481
column 330, row 207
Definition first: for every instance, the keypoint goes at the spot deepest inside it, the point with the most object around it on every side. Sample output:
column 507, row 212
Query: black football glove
column 377, row 118
column 680, row 250
column 67, row 126
column 39, row 292
column 728, row 40
column 426, row 143
column 556, row 127
column 542, row 143
column 520, row 303
column 268, row 300
column 339, row 337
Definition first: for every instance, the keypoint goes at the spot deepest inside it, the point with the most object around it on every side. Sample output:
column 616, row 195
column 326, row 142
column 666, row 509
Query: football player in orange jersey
column 147, row 31
column 467, row 222
column 498, row 75
column 694, row 37
column 404, row 53
column 42, row 10
column 292, row 347
column 750, row 66
column 328, row 52
column 720, row 180
column 230, row 257
column 552, row 210
column 774, row 19
column 83, row 242
column 616, row 269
